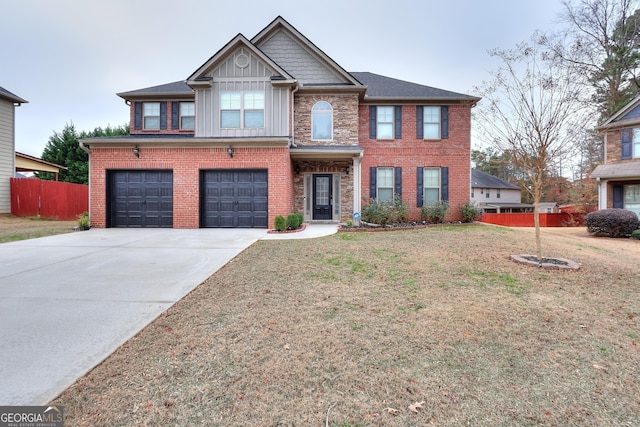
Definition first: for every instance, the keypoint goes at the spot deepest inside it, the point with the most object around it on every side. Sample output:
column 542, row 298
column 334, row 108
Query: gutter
column 293, row 119
column 84, row 148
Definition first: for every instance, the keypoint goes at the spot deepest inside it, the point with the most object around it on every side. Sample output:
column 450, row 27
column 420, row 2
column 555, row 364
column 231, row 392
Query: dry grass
column 14, row 228
column 334, row 331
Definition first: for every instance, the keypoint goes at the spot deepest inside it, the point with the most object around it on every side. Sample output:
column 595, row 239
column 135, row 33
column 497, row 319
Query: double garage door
column 228, row 198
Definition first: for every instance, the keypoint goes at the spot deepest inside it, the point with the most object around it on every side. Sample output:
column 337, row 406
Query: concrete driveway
column 68, row 301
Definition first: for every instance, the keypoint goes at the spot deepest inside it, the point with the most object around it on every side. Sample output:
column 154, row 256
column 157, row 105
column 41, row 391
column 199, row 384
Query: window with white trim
column 632, row 198
column 322, row 121
column 187, row 116
column 151, row 115
column 431, row 186
column 384, row 123
column 240, row 110
column 431, row 117
column 384, row 181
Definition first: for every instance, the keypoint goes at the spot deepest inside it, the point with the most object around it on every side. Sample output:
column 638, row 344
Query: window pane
column 187, row 109
column 151, row 108
column 636, row 149
column 385, row 123
column 187, row 123
column 385, row 177
column 431, row 177
column 385, row 194
column 431, row 196
column 322, row 106
column 254, row 100
column 152, row 122
column 431, row 114
column 230, row 100
column 322, row 123
column 230, row 119
column 431, row 131
column 254, row 119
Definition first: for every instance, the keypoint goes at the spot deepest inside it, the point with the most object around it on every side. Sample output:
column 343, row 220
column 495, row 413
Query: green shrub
column 612, row 222
column 294, row 221
column 635, row 234
column 383, row 213
column 435, row 212
column 83, row 221
column 280, row 223
column 469, row 212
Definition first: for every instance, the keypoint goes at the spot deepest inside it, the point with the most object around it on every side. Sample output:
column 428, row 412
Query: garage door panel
column 141, row 198
column 234, row 198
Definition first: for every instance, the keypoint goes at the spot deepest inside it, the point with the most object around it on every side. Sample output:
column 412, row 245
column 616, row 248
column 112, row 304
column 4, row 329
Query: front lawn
column 356, row 328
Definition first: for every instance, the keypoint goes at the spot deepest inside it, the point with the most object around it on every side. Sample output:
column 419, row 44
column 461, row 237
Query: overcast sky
column 69, row 58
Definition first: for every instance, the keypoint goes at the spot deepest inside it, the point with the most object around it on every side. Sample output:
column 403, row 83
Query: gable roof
column 281, row 24
column 627, row 115
column 5, row 94
column 233, row 44
column 380, row 88
column 481, row 179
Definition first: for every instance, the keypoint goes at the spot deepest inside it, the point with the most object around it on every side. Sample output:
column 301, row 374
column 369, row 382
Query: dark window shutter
column 420, row 193
column 444, row 184
column 137, row 115
column 397, row 181
column 373, row 182
column 618, row 196
column 444, row 122
column 419, row 122
column 627, row 138
column 397, row 116
column 175, row 115
column 163, row 115
column 372, row 122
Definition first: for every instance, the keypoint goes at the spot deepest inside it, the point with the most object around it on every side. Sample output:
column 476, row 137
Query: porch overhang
column 617, row 171
column 326, row 152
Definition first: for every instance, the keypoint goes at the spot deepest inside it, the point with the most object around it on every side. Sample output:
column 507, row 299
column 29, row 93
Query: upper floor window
column 432, row 122
column 151, row 115
column 241, row 110
column 385, row 122
column 322, row 121
column 636, row 143
column 187, row 116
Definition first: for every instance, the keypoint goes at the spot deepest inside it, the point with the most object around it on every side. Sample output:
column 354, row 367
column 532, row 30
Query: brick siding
column 186, row 164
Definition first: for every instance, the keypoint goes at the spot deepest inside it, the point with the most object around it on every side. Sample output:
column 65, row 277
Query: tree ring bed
column 549, row 263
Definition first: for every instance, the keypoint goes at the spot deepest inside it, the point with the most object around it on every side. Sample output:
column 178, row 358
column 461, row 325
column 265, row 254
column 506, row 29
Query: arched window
column 322, row 121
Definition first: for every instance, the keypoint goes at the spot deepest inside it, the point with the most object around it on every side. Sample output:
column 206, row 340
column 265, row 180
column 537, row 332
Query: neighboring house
column 270, row 126
column 619, row 177
column 8, row 102
column 494, row 195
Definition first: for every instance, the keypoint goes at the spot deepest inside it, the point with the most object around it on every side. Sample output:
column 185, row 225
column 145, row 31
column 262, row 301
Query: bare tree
column 528, row 110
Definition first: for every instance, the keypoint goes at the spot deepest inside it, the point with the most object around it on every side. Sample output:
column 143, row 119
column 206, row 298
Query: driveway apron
column 68, row 301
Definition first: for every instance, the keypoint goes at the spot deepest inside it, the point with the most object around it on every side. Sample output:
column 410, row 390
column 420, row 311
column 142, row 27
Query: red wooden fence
column 563, row 219
column 48, row 199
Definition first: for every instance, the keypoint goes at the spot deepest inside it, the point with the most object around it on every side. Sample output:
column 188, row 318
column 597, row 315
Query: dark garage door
column 140, row 198
column 234, row 198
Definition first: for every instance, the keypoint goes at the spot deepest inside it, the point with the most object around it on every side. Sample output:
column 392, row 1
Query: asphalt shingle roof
column 10, row 96
column 481, row 179
column 386, row 87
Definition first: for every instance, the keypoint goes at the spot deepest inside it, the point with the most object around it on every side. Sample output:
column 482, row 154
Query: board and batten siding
column 298, row 61
column 7, row 153
column 229, row 76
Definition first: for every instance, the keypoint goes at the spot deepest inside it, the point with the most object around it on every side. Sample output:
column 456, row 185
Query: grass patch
column 353, row 327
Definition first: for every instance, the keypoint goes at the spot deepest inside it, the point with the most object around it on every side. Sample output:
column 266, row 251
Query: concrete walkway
column 68, row 301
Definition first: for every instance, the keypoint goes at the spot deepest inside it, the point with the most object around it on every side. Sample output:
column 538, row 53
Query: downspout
column 88, row 151
column 293, row 121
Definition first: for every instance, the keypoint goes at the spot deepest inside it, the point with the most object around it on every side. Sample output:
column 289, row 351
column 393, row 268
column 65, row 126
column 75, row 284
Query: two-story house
column 619, row 177
column 494, row 195
column 270, row 126
column 8, row 102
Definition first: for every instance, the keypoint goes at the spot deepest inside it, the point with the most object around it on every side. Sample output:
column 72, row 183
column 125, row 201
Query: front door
column 322, row 197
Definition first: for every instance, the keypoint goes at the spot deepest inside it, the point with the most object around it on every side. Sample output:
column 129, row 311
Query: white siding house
column 8, row 102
